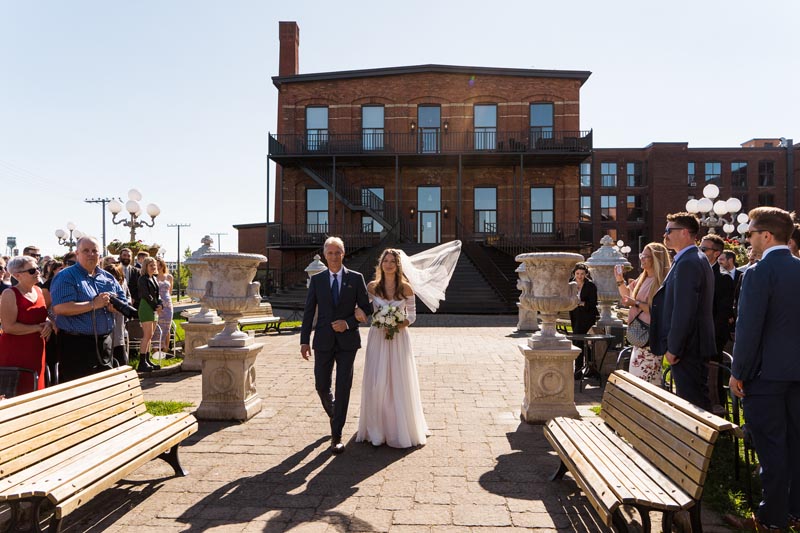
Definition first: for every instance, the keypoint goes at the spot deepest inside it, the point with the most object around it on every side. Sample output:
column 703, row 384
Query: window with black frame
column 541, row 122
column 372, row 197
column 316, row 211
column 634, row 204
column 634, row 174
column 542, row 213
column 372, row 127
column 586, row 174
column 485, row 123
column 691, row 174
column 608, row 174
column 608, row 208
column 739, row 174
column 713, row 172
column 766, row 174
column 485, row 210
column 317, row 128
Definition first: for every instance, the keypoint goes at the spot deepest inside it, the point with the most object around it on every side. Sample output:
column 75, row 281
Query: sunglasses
column 705, row 249
column 747, row 234
column 30, row 271
column 667, row 231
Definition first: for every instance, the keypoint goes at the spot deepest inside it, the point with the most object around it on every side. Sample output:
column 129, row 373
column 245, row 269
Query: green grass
column 722, row 491
column 161, row 408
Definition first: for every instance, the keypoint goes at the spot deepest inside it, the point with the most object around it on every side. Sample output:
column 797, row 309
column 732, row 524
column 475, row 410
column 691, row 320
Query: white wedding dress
column 391, row 406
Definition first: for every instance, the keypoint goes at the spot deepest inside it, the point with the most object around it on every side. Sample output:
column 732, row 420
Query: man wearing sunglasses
column 682, row 324
column 765, row 370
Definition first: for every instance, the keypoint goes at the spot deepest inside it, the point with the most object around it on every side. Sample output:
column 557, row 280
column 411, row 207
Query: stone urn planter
column 549, row 355
column 601, row 265
column 228, row 361
column 196, row 288
column 528, row 320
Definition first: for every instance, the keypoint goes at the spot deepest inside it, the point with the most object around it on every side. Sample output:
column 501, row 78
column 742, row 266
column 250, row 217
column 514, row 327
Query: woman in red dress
column 23, row 315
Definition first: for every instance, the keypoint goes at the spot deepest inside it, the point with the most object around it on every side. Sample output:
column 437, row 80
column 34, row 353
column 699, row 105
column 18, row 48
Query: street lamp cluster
column 712, row 213
column 66, row 239
column 135, row 210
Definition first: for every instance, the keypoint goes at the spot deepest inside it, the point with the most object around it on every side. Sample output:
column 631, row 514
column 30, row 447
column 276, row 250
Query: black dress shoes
column 336, row 445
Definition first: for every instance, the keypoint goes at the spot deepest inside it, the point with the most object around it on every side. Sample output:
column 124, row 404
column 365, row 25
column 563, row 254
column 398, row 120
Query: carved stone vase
column 228, row 361
column 527, row 320
column 549, row 355
column 601, row 265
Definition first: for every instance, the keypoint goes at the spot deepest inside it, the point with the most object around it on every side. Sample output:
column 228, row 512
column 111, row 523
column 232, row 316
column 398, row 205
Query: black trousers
column 323, row 376
column 691, row 381
column 83, row 355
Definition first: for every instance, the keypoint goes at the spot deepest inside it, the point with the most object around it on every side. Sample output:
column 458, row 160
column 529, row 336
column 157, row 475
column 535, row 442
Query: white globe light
column 135, row 195
column 742, row 218
column 132, row 206
column 720, row 207
column 711, row 191
column 734, row 205
column 620, row 243
column 691, row 206
column 728, row 228
column 742, row 228
column 77, row 234
column 60, row 233
column 114, row 206
column 71, row 226
column 626, row 249
column 153, row 210
column 704, row 205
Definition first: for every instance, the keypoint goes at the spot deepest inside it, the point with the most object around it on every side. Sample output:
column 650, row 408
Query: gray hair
column 17, row 264
column 334, row 241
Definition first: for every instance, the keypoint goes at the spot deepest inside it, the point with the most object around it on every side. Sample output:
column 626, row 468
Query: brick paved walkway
column 482, row 470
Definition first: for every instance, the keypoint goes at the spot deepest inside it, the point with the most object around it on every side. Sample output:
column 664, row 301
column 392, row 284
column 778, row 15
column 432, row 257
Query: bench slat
column 599, row 494
column 655, row 491
column 249, row 321
column 23, row 468
column 69, row 476
column 21, row 431
column 107, row 481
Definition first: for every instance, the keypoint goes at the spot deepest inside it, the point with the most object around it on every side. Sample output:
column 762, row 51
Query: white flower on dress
column 388, row 317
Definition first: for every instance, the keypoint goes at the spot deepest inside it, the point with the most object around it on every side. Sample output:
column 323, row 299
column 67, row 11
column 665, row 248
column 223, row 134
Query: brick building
column 492, row 156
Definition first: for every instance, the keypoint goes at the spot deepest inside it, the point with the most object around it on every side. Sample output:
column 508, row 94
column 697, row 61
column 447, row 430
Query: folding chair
column 9, row 379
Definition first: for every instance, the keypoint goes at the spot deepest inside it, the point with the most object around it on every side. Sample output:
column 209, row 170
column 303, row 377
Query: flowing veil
column 429, row 272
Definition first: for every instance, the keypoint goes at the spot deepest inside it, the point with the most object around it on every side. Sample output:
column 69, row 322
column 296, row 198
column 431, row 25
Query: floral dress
column 644, row 364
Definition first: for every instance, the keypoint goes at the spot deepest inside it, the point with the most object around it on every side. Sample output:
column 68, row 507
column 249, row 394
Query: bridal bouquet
column 388, row 317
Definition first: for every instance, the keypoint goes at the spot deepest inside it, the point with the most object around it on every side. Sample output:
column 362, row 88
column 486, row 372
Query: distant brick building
column 430, row 153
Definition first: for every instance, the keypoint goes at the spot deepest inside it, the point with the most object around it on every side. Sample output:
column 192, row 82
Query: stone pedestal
column 229, row 383
column 197, row 335
column 528, row 320
column 549, row 387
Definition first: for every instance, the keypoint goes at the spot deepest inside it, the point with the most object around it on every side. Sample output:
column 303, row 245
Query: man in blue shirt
column 82, row 303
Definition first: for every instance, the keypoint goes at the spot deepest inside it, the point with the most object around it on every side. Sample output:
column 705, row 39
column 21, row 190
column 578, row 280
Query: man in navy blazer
column 682, row 323
column 766, row 364
column 334, row 295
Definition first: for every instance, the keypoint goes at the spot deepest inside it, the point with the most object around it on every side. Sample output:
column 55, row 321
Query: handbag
column 638, row 333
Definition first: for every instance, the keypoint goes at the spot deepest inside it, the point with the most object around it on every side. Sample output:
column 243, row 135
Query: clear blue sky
column 175, row 97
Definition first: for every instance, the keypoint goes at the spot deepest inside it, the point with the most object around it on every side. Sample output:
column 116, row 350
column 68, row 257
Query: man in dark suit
column 765, row 368
column 728, row 261
column 334, row 295
column 712, row 246
column 682, row 324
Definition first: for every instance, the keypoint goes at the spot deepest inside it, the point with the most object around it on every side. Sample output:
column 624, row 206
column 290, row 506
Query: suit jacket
column 723, row 301
column 769, row 319
column 147, row 289
column 682, row 312
column 133, row 285
column 584, row 316
column 352, row 292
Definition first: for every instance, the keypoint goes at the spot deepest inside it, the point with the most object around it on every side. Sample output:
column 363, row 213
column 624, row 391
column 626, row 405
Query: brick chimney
column 289, row 64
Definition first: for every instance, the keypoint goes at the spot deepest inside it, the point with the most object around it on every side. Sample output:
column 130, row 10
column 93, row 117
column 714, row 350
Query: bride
column 391, row 406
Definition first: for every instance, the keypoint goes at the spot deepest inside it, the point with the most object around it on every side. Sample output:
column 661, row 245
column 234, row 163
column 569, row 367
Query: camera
column 128, row 311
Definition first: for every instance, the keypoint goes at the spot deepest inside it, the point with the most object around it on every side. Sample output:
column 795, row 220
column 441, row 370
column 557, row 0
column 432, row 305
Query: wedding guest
column 585, row 315
column 5, row 275
column 165, row 292
column 638, row 295
column 118, row 334
column 149, row 307
column 794, row 240
column 23, row 313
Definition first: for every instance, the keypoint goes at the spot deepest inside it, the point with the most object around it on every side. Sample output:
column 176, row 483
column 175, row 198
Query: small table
column 590, row 356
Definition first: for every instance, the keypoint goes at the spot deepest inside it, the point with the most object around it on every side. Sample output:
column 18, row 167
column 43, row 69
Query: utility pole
column 179, row 226
column 219, row 241
column 103, row 201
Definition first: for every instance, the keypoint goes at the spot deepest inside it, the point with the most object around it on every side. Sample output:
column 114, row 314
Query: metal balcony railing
column 429, row 141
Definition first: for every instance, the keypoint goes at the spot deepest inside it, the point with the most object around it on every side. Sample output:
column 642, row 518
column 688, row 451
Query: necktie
column 335, row 290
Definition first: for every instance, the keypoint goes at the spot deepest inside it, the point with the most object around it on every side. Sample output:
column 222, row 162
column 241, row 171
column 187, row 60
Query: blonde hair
column 661, row 264
column 380, row 278
column 162, row 266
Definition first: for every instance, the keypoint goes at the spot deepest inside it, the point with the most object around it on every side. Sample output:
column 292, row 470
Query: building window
column 541, row 121
column 766, row 198
column 739, row 174
column 608, row 208
column 691, row 174
column 586, row 209
column 316, row 211
column 713, row 172
column 485, row 210
column 634, row 173
column 635, row 207
column 608, row 174
column 485, row 126
column 372, row 127
column 317, row 128
column 542, row 210
column 586, row 174
column 766, row 174
column 429, row 118
column 372, row 197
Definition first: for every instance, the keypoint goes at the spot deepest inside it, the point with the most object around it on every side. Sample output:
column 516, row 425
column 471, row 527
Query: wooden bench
column 270, row 322
column 63, row 445
column 649, row 449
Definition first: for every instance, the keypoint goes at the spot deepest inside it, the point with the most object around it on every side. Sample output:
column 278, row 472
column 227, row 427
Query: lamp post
column 135, row 210
column 66, row 239
column 178, row 271
column 712, row 214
